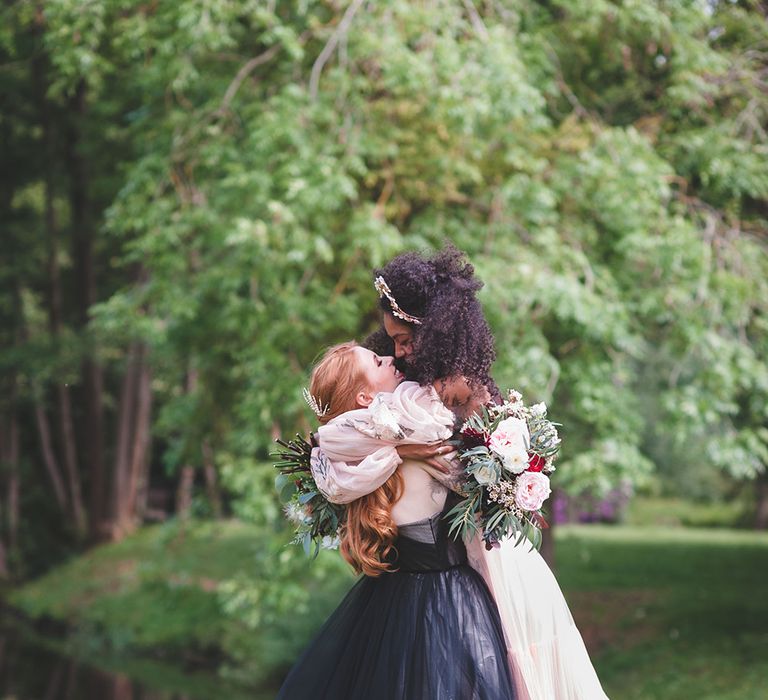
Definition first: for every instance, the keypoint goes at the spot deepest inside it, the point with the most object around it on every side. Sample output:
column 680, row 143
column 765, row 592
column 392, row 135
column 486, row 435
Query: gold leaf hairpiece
column 314, row 404
column 384, row 291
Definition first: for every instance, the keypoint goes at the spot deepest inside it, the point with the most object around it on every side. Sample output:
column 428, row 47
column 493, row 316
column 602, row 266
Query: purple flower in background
column 586, row 508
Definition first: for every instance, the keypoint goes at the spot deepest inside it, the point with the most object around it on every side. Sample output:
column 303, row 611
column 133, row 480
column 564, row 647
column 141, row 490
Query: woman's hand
column 429, row 453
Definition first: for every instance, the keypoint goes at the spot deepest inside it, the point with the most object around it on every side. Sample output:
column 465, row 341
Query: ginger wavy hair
column 368, row 535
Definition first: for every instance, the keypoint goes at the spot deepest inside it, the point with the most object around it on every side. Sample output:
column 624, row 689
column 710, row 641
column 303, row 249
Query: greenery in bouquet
column 317, row 520
column 507, row 452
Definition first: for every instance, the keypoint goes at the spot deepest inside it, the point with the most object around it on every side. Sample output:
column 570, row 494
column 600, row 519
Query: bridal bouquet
column 315, row 518
column 507, row 453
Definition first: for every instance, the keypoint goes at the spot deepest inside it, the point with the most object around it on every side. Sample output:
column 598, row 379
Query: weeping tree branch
column 330, row 47
column 245, row 70
column 477, row 22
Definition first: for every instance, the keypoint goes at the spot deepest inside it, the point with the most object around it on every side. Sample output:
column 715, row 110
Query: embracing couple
column 431, row 618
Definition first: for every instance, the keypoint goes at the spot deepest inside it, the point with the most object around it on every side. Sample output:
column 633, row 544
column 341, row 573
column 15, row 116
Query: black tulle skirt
column 431, row 635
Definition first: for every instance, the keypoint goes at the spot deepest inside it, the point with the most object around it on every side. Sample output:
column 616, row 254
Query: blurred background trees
column 194, row 194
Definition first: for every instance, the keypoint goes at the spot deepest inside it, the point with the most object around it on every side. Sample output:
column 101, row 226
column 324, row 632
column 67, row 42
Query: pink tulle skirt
column 547, row 655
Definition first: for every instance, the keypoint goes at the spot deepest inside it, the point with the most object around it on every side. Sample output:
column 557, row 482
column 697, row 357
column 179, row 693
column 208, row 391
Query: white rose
column 510, row 441
column 515, row 460
column 297, row 513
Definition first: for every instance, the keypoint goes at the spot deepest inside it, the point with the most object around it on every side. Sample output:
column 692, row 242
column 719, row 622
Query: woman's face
column 401, row 334
column 380, row 372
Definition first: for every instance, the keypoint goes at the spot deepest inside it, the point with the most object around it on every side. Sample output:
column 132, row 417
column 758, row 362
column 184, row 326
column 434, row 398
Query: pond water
column 38, row 667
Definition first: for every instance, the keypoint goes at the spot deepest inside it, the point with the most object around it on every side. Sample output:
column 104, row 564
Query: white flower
column 329, row 542
column 515, row 461
column 486, row 474
column 538, row 410
column 384, row 421
column 510, row 442
column 297, row 513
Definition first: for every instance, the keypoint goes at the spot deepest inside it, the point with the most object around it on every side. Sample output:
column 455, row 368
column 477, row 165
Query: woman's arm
column 359, row 451
column 344, row 482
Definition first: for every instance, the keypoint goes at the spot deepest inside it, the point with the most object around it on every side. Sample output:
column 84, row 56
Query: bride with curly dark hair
column 433, row 323
column 435, row 327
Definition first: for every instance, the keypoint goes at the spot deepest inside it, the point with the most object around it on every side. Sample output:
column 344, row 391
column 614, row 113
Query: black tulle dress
column 429, row 631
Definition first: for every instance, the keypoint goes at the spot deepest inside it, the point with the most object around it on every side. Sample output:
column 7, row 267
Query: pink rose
column 532, row 490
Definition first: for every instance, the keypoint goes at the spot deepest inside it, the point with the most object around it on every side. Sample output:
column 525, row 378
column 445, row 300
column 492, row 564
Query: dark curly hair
column 453, row 338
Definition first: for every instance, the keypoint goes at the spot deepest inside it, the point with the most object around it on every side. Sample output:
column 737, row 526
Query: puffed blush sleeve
column 421, row 412
column 342, row 482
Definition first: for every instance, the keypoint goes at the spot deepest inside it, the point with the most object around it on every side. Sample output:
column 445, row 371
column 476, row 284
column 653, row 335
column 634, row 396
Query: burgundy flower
column 535, row 462
column 474, row 438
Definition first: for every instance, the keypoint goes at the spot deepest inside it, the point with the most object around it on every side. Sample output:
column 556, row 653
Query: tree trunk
column 67, row 428
column 761, row 510
column 55, row 681
column 211, row 480
column 125, row 429
column 41, row 419
column 14, row 483
column 65, row 423
column 49, row 458
column 187, row 473
column 184, row 491
column 133, row 437
column 8, row 457
column 137, row 473
column 83, row 256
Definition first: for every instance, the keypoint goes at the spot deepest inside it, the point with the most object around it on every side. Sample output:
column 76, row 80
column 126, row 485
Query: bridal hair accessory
column 384, row 291
column 314, row 404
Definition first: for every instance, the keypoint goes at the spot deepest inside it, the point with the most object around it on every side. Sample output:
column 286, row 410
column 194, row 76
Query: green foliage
column 605, row 166
column 671, row 609
column 193, row 588
column 656, row 605
column 674, row 512
column 316, row 519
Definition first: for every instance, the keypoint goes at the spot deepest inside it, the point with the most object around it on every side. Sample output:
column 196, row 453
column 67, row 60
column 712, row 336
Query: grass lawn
column 672, row 613
column 199, row 594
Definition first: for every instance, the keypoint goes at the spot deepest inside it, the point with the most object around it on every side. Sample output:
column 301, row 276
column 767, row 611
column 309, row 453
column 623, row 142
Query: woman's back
column 429, row 630
column 422, row 496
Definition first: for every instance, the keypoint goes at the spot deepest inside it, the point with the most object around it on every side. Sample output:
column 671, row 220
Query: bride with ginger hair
column 420, row 624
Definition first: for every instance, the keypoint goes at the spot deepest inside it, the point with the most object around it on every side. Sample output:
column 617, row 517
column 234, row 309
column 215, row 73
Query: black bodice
column 428, row 631
column 425, row 545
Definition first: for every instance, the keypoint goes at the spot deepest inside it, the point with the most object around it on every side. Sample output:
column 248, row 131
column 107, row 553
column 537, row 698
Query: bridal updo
column 369, row 533
column 335, row 381
column 453, row 337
